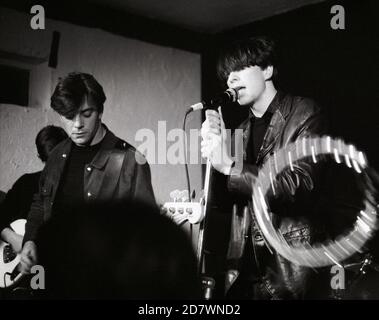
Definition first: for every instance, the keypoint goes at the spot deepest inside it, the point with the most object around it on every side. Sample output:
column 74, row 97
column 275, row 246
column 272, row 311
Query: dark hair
column 257, row 51
column 117, row 251
column 47, row 139
column 71, row 91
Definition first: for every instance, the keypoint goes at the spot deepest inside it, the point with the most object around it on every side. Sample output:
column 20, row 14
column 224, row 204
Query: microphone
column 230, row 95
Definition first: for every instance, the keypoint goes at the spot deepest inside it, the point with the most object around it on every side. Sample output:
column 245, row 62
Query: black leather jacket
column 115, row 173
column 293, row 118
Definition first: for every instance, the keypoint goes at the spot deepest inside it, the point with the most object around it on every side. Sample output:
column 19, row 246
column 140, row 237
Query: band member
column 275, row 120
column 93, row 166
column 19, row 198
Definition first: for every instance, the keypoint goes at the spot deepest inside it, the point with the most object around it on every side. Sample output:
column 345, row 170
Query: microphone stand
column 200, row 243
column 208, row 283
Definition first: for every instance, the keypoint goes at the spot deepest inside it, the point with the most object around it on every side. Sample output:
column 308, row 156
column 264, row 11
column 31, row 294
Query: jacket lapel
column 277, row 123
column 245, row 126
column 95, row 172
column 59, row 166
column 273, row 131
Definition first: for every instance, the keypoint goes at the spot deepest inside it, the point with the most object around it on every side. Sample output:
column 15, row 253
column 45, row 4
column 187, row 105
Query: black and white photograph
column 195, row 153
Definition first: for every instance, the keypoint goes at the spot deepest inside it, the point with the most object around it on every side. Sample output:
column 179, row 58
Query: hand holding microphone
column 215, row 144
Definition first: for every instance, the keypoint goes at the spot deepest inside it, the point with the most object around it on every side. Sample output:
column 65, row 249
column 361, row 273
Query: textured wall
column 143, row 83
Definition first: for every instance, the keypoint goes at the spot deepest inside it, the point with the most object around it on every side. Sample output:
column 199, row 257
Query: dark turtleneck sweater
column 71, row 186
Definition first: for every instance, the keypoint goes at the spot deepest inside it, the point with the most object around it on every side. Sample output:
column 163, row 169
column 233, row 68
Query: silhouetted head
column 117, row 251
column 46, row 140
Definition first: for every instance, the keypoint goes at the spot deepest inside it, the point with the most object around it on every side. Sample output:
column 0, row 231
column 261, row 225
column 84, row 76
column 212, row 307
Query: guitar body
column 9, row 259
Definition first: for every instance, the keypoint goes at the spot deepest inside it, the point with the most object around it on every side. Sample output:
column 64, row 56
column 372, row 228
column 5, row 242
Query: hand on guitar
column 16, row 243
column 28, row 257
column 13, row 238
column 214, row 144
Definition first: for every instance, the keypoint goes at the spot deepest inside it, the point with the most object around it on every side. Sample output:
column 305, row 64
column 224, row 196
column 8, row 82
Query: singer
column 275, row 120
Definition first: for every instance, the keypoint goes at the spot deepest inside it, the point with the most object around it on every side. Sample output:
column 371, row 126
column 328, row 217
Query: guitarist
column 18, row 200
column 275, row 120
column 92, row 166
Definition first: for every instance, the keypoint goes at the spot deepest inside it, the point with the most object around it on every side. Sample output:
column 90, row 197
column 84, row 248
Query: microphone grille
column 233, row 94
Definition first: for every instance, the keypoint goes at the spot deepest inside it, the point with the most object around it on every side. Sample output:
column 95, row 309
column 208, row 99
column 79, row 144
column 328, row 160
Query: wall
column 144, row 84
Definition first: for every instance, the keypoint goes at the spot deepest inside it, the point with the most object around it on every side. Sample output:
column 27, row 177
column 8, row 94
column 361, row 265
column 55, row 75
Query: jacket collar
column 107, row 144
column 273, row 106
column 276, row 106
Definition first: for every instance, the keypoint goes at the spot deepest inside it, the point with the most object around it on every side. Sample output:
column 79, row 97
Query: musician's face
column 84, row 126
column 250, row 82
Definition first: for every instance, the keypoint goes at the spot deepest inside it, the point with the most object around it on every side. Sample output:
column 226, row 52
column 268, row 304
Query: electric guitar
column 9, row 259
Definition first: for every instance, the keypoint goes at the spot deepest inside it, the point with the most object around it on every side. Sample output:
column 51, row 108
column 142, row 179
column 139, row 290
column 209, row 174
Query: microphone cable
column 189, row 110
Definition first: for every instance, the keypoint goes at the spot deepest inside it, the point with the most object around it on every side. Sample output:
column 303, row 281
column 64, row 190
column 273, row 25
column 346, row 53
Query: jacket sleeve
column 242, row 182
column 288, row 182
column 35, row 216
column 12, row 205
column 304, row 174
column 142, row 190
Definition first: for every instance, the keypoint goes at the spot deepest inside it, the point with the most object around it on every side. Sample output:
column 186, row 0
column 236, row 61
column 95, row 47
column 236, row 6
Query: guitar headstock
column 180, row 210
